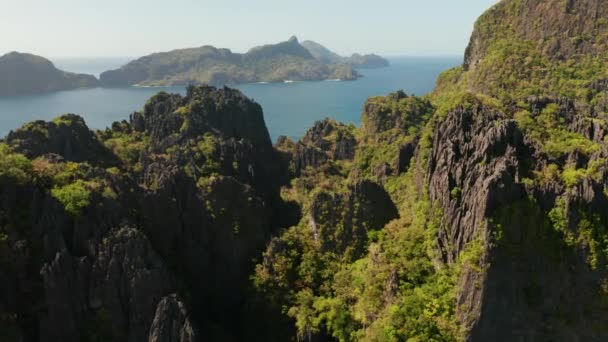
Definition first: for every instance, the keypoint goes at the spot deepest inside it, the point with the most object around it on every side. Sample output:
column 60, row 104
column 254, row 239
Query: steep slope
column 522, row 176
column 208, row 65
column 524, row 48
column 24, row 74
column 359, row 61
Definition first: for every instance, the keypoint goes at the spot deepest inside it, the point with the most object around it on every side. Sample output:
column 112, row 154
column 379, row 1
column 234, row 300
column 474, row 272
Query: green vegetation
column 456, row 193
column 549, row 129
column 126, row 145
column 584, row 231
column 74, row 197
column 514, row 60
column 572, row 176
column 13, row 166
column 395, row 291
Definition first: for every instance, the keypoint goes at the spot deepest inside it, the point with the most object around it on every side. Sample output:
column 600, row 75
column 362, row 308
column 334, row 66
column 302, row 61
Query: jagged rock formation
column 207, row 65
column 67, row 136
column 326, row 140
column 365, row 207
column 150, row 248
column 523, row 184
column 358, row 61
column 171, row 322
column 25, row 74
column 528, row 279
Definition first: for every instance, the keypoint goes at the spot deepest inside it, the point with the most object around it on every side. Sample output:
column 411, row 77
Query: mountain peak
column 293, row 39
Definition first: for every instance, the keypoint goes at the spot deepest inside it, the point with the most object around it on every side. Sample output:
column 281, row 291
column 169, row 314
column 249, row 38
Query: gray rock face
column 204, row 110
column 365, row 207
column 526, row 272
column 464, row 144
column 171, row 322
column 128, row 279
column 406, row 153
column 113, row 294
column 326, row 140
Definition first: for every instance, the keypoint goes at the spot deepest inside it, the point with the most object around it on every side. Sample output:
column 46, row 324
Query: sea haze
column 289, row 108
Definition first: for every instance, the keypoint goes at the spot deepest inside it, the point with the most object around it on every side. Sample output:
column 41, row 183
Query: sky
column 105, row 28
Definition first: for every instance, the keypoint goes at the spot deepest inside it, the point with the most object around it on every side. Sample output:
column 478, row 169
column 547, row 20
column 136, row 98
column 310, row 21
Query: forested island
column 26, row 74
column 286, row 61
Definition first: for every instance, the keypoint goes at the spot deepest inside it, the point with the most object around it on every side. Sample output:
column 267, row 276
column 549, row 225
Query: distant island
column 282, row 62
column 357, row 61
column 26, row 74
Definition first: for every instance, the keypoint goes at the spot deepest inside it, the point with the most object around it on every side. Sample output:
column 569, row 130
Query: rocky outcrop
column 341, row 222
column 67, row 136
column 395, row 111
column 171, row 322
column 525, row 271
column 113, row 293
column 406, row 153
column 326, row 140
column 77, row 278
column 25, row 74
column 171, row 118
column 160, row 252
column 461, row 179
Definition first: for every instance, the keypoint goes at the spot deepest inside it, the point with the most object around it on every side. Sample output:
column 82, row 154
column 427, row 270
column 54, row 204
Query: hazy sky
column 55, row 28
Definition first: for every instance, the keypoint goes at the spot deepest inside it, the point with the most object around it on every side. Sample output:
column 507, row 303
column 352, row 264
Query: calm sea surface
column 289, row 108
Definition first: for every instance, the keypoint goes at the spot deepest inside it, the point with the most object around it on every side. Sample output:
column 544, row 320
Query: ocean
column 289, row 108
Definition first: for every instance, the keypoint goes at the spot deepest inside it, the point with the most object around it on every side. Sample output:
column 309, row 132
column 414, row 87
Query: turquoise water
column 289, row 109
